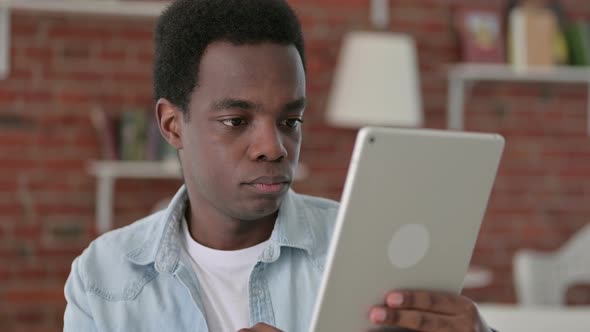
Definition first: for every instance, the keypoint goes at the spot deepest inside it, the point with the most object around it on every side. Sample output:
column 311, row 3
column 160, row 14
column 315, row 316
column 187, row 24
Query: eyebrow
column 229, row 103
column 296, row 105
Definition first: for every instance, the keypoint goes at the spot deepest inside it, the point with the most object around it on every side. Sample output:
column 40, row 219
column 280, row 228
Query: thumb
column 260, row 327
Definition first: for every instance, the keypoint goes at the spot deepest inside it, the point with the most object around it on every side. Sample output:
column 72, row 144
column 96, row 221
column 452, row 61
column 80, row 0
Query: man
column 236, row 249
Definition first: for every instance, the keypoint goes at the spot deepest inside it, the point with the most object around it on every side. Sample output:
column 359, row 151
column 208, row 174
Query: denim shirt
column 138, row 278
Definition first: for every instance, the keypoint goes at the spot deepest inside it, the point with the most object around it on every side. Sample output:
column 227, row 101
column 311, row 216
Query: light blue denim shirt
column 138, row 278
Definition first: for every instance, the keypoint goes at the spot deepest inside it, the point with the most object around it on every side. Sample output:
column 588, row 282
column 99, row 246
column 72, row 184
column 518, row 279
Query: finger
column 260, row 327
column 413, row 319
column 435, row 302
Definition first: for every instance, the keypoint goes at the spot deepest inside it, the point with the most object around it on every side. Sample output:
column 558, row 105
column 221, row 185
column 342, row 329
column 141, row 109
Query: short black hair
column 187, row 27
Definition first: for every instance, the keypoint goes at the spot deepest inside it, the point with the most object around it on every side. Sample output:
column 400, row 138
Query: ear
column 170, row 119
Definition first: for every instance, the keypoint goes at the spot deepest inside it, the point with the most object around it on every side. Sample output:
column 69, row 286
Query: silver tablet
column 410, row 214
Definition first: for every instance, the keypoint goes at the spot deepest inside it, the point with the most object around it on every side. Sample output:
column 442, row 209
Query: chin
column 261, row 208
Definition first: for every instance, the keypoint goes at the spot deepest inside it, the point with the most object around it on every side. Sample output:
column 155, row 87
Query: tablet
column 410, row 213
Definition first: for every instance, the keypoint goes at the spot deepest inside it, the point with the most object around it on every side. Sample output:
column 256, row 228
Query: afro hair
column 187, row 27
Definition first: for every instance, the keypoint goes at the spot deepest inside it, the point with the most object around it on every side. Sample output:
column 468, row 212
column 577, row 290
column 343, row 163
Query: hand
column 260, row 327
column 426, row 311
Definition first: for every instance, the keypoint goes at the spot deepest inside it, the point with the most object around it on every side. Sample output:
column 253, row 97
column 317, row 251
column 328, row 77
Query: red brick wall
column 64, row 65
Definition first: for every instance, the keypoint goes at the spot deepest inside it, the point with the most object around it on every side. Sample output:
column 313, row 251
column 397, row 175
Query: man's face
column 240, row 146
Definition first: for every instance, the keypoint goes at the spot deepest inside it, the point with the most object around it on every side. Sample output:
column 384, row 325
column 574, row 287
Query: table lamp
column 376, row 80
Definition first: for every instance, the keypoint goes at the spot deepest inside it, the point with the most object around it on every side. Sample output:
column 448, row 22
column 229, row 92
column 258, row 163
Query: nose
column 267, row 144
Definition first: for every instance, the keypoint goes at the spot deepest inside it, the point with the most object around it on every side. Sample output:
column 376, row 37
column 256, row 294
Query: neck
column 211, row 228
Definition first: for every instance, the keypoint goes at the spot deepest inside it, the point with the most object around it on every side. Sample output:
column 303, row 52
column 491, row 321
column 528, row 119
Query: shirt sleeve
column 77, row 316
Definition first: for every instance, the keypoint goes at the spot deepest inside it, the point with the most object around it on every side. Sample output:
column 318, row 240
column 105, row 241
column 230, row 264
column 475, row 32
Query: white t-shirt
column 223, row 276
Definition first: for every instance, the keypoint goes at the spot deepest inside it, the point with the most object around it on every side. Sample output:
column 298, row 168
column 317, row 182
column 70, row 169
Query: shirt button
column 257, row 291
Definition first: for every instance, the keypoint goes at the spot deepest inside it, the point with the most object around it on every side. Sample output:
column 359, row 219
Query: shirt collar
column 164, row 241
column 291, row 229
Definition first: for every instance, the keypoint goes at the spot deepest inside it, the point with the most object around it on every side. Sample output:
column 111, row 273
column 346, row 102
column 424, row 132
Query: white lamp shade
column 376, row 82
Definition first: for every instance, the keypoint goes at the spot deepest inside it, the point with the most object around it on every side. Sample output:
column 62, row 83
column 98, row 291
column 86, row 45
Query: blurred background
column 79, row 154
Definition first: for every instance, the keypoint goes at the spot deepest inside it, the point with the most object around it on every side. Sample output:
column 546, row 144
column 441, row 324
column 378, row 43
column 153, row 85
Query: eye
column 292, row 123
column 234, row 122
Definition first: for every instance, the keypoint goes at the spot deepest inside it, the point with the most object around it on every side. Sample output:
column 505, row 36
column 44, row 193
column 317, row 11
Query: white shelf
column 136, row 169
column 107, row 172
column 152, row 169
column 460, row 75
column 132, row 8
column 491, row 72
column 102, row 7
column 540, row 318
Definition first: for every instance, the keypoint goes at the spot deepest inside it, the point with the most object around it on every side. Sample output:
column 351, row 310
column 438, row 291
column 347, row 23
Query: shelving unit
column 460, row 75
column 4, row 42
column 136, row 169
column 107, row 172
column 132, row 8
column 104, row 7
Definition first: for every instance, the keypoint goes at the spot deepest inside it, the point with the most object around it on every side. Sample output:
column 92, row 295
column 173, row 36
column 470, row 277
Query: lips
column 270, row 180
column 269, row 184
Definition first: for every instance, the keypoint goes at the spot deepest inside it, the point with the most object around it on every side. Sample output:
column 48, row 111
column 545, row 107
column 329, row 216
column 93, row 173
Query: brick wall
column 64, row 65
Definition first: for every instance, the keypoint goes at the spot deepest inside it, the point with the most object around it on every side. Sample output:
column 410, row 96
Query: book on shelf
column 534, row 36
column 578, row 40
column 152, row 141
column 156, row 147
column 134, row 135
column 106, row 129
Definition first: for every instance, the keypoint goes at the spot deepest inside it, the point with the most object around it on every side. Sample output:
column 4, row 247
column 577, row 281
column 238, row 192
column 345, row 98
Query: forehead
column 226, row 68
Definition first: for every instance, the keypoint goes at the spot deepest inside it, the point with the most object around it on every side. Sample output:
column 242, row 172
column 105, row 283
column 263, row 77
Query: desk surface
column 511, row 318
